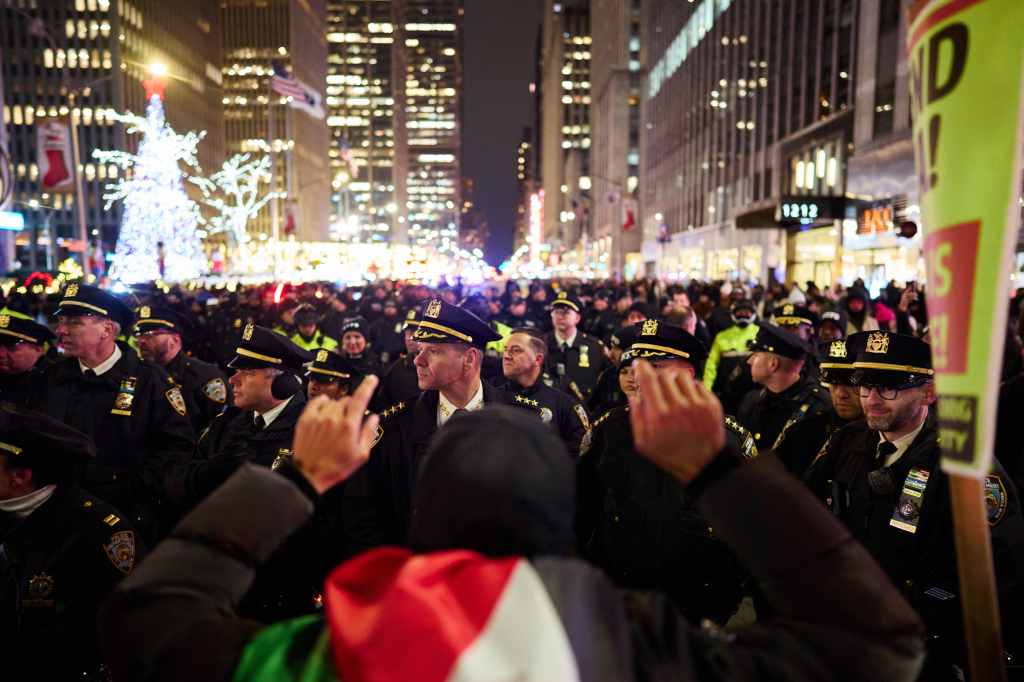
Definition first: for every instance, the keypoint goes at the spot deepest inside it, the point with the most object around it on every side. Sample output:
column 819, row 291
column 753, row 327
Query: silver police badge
column 546, row 415
column 216, row 390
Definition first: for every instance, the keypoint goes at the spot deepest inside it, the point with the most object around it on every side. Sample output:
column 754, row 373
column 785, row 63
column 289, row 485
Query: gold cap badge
column 837, row 349
column 71, row 291
column 650, row 328
column 247, row 333
column 434, row 309
column 878, row 343
column 5, row 320
column 144, row 311
column 321, row 356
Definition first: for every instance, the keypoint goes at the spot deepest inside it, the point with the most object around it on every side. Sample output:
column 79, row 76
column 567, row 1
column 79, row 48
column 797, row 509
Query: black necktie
column 885, row 448
column 459, row 412
column 261, row 423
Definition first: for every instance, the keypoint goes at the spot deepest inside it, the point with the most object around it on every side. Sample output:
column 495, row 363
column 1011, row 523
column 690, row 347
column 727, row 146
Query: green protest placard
column 966, row 72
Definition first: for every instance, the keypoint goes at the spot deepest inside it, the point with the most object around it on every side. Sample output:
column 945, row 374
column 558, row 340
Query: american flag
column 348, row 158
column 286, row 85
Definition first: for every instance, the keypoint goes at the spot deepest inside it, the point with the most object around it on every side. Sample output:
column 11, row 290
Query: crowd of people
column 537, row 480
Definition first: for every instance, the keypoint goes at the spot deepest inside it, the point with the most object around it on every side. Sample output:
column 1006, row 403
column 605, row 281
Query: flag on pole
column 301, row 96
column 349, row 159
column 629, row 208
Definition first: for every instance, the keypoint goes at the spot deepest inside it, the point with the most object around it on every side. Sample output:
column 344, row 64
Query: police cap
column 329, row 366
column 656, row 340
column 792, row 315
column 891, row 360
column 569, row 301
column 837, row 358
column 51, row 448
column 156, row 318
column 82, row 299
column 15, row 329
column 441, row 322
column 772, row 339
column 261, row 348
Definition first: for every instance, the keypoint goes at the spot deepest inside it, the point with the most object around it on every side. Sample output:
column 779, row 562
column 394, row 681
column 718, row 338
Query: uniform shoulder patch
column 176, row 400
column 121, row 550
column 216, row 390
column 996, row 499
column 748, row 447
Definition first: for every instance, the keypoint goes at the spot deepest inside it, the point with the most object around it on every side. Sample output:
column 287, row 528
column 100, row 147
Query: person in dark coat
column 575, row 360
column 399, row 382
column 451, row 346
column 523, row 365
column 386, row 334
column 803, row 438
column 636, row 521
column 23, row 356
column 134, row 412
column 355, row 346
column 159, row 333
column 61, row 550
column 331, row 375
column 494, row 517
column 885, row 483
column 787, row 396
column 611, row 390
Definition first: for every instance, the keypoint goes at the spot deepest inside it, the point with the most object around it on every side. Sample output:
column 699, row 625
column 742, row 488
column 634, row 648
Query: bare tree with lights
column 235, row 195
column 158, row 237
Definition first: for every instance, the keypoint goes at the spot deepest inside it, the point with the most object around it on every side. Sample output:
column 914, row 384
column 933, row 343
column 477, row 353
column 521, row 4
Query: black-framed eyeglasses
column 885, row 392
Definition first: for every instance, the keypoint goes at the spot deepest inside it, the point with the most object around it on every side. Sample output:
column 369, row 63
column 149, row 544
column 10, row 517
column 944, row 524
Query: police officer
column 575, row 360
column 451, row 342
column 609, row 391
column 257, row 426
column 516, row 315
column 307, row 335
column 726, row 372
column 803, row 438
column 833, row 326
column 399, row 382
column 331, row 375
column 355, row 346
column 638, row 523
column 23, row 356
column 386, row 334
column 134, row 412
column 61, row 550
column 885, row 482
column 522, row 365
column 785, row 397
column 159, row 334
column 797, row 319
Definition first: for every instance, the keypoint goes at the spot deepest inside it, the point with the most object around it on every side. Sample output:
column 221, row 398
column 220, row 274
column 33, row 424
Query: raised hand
column 677, row 421
column 332, row 440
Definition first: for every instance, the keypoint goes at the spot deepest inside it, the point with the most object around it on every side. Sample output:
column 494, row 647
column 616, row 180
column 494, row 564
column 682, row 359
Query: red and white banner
column 629, row 210
column 53, row 150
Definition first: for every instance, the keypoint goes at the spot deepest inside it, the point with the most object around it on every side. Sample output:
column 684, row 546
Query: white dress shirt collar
column 106, row 365
column 270, row 415
column 901, row 443
column 446, row 408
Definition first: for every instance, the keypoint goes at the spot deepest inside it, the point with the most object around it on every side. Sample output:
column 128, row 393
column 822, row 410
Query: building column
column 867, row 66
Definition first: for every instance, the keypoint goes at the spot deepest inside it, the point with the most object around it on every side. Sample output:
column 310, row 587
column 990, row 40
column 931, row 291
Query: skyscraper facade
column 83, row 58
column 256, row 35
column 368, row 187
column 431, row 33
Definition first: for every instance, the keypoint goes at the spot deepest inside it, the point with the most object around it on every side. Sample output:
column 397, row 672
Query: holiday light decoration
column 235, row 195
column 158, row 238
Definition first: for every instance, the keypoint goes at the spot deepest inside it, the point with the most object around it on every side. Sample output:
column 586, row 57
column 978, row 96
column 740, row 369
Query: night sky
column 500, row 43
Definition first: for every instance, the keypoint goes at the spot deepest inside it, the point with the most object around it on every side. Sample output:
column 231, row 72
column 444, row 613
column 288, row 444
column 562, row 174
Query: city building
column 257, row 34
column 765, row 157
column 612, row 245
column 564, row 123
column 81, row 59
column 526, row 173
column 431, row 33
column 368, row 148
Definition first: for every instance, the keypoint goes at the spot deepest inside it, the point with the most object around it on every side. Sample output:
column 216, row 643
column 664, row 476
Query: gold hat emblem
column 650, row 328
column 71, row 291
column 144, row 311
column 5, row 320
column 247, row 333
column 837, row 349
column 787, row 310
column 433, row 309
column 321, row 356
column 562, row 295
column 878, row 343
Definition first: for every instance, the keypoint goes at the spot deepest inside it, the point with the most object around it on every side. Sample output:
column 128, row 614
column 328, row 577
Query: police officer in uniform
column 801, row 440
column 378, row 498
column 797, row 319
column 885, row 482
column 134, row 412
column 257, row 426
column 726, row 372
column 575, row 360
column 61, row 550
column 786, row 396
column 159, row 334
column 609, row 391
column 23, row 356
column 331, row 375
column 638, row 523
column 399, row 382
column 522, row 365
column 308, row 335
column 386, row 333
column 356, row 347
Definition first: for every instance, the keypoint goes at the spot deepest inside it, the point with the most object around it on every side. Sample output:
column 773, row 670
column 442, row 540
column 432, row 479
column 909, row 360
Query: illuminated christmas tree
column 158, row 238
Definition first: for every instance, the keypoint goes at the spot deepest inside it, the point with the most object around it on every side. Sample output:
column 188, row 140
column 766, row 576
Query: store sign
column 965, row 76
column 806, row 210
column 876, row 218
column 11, row 220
